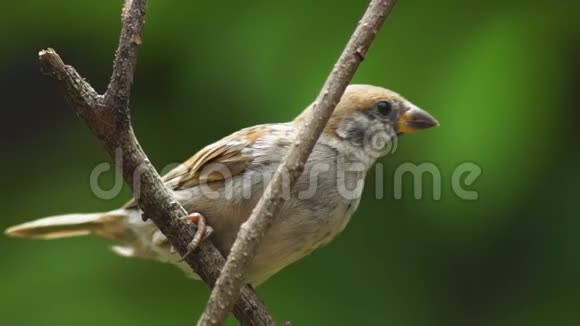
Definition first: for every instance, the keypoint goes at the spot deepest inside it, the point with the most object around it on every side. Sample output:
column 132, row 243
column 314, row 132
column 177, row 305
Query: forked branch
column 108, row 117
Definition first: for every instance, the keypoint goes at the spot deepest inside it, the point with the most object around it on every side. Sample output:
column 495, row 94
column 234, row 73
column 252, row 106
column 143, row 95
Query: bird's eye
column 384, row 107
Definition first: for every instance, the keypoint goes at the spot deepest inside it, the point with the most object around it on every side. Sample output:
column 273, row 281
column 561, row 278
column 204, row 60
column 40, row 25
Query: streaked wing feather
column 208, row 164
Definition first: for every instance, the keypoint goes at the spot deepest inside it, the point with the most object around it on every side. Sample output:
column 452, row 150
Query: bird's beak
column 414, row 119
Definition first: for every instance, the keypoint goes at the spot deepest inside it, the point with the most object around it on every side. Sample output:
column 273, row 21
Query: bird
column 220, row 185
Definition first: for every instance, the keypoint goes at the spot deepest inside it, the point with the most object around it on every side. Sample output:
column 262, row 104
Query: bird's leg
column 203, row 232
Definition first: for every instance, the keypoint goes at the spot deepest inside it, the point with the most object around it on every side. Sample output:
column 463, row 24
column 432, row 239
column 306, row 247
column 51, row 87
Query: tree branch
column 108, row 117
column 224, row 294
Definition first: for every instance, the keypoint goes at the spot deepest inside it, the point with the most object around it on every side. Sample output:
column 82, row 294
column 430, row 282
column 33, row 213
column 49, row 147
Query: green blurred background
column 500, row 76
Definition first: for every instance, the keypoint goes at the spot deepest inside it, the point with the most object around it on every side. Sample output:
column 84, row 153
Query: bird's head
column 372, row 117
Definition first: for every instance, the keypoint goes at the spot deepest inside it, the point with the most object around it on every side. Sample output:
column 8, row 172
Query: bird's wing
column 218, row 161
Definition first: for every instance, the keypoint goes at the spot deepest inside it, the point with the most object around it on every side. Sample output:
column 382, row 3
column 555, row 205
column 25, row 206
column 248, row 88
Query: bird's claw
column 203, row 232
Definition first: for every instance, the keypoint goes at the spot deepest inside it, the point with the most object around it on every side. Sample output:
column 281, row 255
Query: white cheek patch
column 353, row 128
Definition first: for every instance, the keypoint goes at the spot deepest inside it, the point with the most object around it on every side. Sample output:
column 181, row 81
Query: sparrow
column 221, row 184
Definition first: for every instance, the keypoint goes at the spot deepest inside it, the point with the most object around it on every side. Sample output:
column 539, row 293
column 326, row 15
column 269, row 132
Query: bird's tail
column 111, row 225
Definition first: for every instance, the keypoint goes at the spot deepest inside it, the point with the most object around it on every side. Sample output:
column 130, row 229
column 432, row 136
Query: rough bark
column 108, row 117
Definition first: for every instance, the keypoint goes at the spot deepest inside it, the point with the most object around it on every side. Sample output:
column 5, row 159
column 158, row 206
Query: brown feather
column 355, row 98
column 205, row 165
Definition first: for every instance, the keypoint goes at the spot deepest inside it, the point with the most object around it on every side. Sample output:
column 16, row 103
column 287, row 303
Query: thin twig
column 224, row 294
column 108, row 117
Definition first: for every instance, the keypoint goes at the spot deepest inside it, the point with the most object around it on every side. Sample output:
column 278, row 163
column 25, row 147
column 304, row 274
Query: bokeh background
column 502, row 77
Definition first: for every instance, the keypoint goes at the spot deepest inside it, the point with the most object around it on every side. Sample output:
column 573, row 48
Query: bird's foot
column 203, row 232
